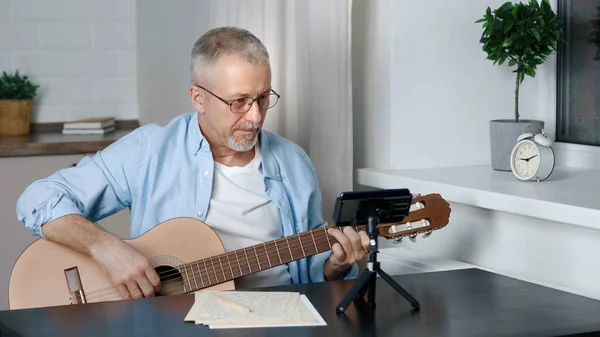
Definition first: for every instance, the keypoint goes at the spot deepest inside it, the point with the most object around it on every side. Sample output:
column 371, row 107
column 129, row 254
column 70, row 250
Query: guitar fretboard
column 225, row 267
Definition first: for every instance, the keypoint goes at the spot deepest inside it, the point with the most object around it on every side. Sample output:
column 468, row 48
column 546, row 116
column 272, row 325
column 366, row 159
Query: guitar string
column 199, row 271
column 181, row 288
column 95, row 294
column 321, row 239
column 293, row 245
column 205, row 270
column 212, row 272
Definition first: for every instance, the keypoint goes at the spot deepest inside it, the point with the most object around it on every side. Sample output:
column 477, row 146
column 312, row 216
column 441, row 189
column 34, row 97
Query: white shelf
column 570, row 195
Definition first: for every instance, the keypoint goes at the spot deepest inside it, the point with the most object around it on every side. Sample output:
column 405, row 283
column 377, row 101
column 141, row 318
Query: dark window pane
column 578, row 105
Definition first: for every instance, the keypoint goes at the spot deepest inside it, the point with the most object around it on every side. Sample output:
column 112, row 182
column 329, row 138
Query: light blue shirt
column 163, row 172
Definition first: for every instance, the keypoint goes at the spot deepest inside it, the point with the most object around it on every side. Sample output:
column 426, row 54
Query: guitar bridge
column 74, row 285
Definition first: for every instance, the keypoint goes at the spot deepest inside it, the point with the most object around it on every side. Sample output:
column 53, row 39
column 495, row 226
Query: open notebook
column 252, row 309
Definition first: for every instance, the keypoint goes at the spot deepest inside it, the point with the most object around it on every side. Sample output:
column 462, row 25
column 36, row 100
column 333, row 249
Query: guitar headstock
column 427, row 213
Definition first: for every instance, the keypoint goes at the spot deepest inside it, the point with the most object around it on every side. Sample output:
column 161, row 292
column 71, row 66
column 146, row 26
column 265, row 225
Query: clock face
column 527, row 159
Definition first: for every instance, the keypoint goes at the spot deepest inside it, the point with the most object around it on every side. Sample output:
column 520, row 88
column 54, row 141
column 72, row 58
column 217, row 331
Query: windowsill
column 570, row 195
column 576, row 147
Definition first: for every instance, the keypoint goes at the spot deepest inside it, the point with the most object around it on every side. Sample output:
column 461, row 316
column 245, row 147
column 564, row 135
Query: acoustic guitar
column 188, row 256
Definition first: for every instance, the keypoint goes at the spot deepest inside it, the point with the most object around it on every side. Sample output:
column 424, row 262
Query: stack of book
column 89, row 126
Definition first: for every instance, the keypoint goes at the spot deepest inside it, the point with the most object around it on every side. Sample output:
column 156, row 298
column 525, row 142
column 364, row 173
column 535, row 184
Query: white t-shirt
column 242, row 215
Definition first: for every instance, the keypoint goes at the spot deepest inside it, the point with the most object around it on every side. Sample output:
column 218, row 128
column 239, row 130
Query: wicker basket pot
column 15, row 117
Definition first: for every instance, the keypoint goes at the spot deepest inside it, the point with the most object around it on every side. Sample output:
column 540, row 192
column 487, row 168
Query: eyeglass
column 243, row 104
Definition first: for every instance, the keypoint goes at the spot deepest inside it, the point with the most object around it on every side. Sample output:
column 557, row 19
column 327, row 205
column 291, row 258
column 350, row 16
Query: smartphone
column 353, row 208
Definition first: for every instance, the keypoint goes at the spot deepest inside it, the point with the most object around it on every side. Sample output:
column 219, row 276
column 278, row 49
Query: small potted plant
column 522, row 35
column 16, row 104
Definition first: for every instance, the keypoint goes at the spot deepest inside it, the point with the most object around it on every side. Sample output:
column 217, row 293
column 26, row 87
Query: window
column 578, row 73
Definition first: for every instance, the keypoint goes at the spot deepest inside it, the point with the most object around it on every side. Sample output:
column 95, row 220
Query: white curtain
column 309, row 44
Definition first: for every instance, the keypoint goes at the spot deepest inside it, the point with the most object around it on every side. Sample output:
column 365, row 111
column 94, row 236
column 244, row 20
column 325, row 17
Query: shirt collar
column 196, row 139
column 269, row 163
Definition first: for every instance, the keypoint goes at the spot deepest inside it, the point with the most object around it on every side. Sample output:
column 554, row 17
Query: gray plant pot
column 503, row 137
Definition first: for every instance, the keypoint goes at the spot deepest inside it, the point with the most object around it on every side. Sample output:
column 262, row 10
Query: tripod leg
column 371, row 294
column 399, row 289
column 356, row 290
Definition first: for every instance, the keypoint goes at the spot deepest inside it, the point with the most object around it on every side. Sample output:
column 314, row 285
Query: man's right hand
column 129, row 271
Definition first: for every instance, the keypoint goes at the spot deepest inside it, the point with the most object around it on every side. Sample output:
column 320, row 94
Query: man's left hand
column 350, row 248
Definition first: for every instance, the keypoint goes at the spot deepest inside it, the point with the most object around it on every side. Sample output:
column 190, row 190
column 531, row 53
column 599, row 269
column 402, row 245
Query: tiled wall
column 81, row 52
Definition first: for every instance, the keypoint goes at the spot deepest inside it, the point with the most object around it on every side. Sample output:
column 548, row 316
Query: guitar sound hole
column 170, row 279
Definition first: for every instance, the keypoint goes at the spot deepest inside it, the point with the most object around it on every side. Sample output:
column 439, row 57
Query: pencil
column 230, row 303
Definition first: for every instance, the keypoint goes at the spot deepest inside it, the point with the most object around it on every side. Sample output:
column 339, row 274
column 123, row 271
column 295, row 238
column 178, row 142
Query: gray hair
column 222, row 41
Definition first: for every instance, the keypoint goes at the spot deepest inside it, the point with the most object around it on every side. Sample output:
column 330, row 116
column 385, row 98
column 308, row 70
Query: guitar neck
column 225, row 267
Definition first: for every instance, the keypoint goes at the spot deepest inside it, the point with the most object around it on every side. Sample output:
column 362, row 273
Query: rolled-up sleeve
column 316, row 263
column 97, row 187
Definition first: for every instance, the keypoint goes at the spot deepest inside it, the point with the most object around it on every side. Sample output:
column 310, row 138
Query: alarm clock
column 532, row 157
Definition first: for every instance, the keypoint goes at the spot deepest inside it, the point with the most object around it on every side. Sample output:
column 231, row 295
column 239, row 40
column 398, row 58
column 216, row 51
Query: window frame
column 561, row 100
column 568, row 154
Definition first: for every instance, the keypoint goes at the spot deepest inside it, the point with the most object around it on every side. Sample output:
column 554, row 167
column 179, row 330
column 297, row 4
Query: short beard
column 247, row 142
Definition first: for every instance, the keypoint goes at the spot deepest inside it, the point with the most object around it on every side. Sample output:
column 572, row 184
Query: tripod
column 366, row 280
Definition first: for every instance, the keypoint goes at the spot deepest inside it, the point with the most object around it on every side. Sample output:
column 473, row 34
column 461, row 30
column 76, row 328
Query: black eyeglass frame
column 244, row 98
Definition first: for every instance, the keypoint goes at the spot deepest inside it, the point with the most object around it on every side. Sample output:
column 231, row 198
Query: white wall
column 166, row 34
column 422, row 66
column 82, row 53
column 440, row 93
column 545, row 252
column 371, row 82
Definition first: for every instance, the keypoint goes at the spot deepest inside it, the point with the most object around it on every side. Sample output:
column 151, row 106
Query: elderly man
column 216, row 164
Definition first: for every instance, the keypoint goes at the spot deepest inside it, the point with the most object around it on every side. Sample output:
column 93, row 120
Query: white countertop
column 569, row 195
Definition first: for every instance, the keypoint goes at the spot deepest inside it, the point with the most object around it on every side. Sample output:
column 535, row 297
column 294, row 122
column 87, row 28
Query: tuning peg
column 413, row 237
column 428, row 233
column 416, row 206
column 398, row 239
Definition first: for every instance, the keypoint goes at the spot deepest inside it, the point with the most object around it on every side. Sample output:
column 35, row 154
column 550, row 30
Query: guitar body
column 38, row 278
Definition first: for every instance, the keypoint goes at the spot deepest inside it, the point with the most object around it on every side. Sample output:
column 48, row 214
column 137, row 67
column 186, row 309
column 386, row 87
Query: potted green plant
column 522, row 35
column 16, row 103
